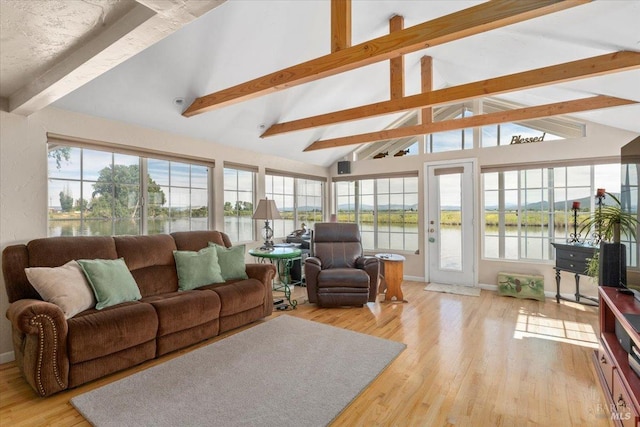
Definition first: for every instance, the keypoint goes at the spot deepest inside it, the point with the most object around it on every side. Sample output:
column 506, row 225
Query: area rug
column 283, row 372
column 454, row 289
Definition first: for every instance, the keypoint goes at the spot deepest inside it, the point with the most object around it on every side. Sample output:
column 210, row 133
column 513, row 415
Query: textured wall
column 23, row 194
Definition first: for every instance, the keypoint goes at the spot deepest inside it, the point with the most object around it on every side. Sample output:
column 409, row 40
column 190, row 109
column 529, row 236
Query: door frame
column 476, row 187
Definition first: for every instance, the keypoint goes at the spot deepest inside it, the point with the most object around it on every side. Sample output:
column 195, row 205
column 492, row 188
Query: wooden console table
column 620, row 384
column 574, row 259
column 393, row 275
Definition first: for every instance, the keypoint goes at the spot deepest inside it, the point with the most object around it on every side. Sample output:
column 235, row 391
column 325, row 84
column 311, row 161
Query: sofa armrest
column 312, row 267
column 371, row 265
column 40, row 344
column 264, row 273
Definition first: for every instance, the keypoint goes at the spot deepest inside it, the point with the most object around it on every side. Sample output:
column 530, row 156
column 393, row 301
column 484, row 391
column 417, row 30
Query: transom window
column 544, row 129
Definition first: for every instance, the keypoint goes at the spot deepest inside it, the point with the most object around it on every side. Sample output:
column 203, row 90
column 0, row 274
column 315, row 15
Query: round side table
column 393, row 274
column 283, row 257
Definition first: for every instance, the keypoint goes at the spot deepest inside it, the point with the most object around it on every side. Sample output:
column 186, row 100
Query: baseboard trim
column 7, row 357
column 413, row 278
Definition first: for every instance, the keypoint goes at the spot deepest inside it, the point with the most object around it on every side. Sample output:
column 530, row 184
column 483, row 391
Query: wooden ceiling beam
column 340, row 24
column 396, row 65
column 510, row 116
column 426, row 83
column 561, row 73
column 464, row 23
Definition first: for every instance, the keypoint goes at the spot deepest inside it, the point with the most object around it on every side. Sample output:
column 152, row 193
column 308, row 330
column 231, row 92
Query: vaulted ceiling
column 242, row 40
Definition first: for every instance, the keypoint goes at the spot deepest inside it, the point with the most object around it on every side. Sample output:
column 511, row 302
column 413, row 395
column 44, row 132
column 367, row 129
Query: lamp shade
column 266, row 209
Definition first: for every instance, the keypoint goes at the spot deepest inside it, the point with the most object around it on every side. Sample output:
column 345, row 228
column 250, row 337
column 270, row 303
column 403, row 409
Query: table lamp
column 268, row 211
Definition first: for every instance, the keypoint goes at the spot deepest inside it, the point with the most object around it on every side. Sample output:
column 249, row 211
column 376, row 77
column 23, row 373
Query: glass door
column 451, row 242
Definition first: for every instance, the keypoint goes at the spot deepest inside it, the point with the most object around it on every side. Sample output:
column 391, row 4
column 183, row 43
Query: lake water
column 97, row 227
column 392, row 237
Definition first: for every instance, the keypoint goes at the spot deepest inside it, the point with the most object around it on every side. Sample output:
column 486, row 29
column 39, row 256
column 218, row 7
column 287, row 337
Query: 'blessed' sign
column 518, row 139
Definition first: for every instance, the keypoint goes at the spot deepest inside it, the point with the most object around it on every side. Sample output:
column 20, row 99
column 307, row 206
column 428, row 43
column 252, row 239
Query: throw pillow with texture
column 197, row 269
column 65, row 286
column 231, row 261
column 111, row 281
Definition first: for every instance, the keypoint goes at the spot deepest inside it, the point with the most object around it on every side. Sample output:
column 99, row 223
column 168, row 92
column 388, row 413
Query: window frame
column 270, row 175
column 142, row 187
column 354, row 197
column 556, row 182
column 225, row 189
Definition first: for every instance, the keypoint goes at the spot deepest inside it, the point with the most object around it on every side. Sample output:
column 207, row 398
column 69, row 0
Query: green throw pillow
column 111, row 281
column 197, row 269
column 231, row 261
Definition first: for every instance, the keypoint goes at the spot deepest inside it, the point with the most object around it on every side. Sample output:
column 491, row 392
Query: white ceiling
column 241, row 40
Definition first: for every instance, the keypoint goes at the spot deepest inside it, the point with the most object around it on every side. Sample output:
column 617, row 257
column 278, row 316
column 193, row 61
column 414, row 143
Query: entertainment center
column 621, row 385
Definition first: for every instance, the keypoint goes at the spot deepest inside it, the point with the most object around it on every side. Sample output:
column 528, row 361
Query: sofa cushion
column 96, row 333
column 196, row 240
column 111, row 281
column 56, row 251
column 64, row 286
column 231, row 261
column 179, row 311
column 150, row 259
column 238, row 296
column 196, row 269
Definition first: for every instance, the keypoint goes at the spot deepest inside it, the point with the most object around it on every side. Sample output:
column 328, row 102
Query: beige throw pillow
column 65, row 286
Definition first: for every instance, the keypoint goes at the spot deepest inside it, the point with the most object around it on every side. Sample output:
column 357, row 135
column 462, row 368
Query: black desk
column 574, row 259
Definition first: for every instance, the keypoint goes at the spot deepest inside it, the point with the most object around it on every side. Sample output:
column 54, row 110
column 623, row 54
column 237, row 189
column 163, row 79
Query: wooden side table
column 393, row 274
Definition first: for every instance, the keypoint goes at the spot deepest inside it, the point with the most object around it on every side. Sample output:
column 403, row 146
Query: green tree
column 116, row 194
column 59, row 154
column 81, row 205
column 66, row 200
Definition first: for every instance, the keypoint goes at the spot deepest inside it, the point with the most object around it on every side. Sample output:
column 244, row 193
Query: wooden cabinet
column 574, row 259
column 620, row 384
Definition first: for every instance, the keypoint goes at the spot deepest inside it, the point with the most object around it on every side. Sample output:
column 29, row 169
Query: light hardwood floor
column 469, row 361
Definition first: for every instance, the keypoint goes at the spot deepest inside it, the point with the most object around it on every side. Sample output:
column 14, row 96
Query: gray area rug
column 284, row 372
column 454, row 289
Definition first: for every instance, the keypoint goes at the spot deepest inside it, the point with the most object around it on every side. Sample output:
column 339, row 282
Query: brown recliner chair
column 338, row 274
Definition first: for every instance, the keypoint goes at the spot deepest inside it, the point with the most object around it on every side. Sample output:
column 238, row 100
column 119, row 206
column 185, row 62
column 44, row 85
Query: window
column 308, row 202
column 299, row 201
column 238, row 204
column 397, row 213
column 177, row 197
column 629, row 200
column 345, row 193
column 281, row 190
column 547, row 129
column 526, row 210
column 386, row 210
column 94, row 192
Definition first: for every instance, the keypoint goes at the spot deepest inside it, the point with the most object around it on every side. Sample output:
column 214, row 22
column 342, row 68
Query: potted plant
column 610, row 222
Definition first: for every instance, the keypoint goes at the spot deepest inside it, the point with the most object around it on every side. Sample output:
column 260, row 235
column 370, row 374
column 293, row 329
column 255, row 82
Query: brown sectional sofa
column 55, row 353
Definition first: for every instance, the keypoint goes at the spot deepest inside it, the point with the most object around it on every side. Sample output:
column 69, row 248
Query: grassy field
column 453, row 218
column 410, row 217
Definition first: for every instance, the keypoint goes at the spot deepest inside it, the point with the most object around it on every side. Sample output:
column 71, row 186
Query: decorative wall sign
column 518, row 139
